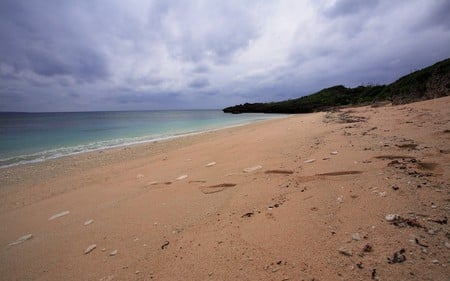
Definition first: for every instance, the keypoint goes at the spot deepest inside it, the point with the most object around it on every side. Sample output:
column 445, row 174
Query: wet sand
column 357, row 194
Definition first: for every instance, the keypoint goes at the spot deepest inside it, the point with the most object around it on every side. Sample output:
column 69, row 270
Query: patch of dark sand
column 341, row 173
column 286, row 172
column 427, row 165
column 393, row 157
column 330, row 174
column 216, row 188
column 408, row 146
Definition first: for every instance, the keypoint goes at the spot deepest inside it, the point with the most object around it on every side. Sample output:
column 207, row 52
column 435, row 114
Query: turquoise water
column 34, row 137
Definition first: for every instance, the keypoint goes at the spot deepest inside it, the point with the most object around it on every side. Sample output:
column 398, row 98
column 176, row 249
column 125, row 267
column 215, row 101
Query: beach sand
column 357, row 194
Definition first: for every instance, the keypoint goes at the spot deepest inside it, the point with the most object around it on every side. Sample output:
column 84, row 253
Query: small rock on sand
column 211, row 164
column 153, row 183
column 334, row 153
column 88, row 222
column 356, row 237
column 182, row 177
column 21, row 239
column 345, row 252
column 113, row 253
column 382, row 194
column 252, row 169
column 392, row 217
column 309, row 161
column 90, row 249
column 59, row 215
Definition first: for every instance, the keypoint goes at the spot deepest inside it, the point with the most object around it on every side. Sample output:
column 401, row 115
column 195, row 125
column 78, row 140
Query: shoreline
column 301, row 197
column 131, row 142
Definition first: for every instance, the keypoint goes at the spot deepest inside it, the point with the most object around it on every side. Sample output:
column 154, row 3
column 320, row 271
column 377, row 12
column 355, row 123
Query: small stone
column 334, row 153
column 431, row 231
column 182, row 177
column 309, row 161
column 340, row 199
column 88, row 222
column 424, row 250
column 153, row 183
column 433, row 206
column 252, row 169
column 447, row 245
column 382, row 194
column 356, row 236
column 59, row 215
column 392, row 217
column 137, row 272
column 103, row 249
column 435, row 261
column 210, row 274
column 90, row 249
column 113, row 253
column 21, row 239
column 107, row 278
column 345, row 252
column 211, row 164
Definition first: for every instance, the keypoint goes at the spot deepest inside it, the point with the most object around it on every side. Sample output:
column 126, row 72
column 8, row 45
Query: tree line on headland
column 428, row 83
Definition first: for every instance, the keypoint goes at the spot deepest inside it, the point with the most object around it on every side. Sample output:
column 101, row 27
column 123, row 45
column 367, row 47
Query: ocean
column 35, row 137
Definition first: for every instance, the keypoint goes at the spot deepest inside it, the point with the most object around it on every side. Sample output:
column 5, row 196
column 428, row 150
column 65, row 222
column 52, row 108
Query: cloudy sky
column 132, row 55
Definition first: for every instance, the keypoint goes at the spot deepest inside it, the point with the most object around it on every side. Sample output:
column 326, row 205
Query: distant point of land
column 428, row 83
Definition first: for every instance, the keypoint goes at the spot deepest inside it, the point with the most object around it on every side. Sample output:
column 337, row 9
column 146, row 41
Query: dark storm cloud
column 439, row 16
column 99, row 55
column 201, row 69
column 38, row 38
column 199, row 83
column 83, row 64
column 350, row 7
column 193, row 32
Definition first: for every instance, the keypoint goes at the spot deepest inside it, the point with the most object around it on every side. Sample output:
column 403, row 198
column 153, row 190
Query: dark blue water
column 34, row 137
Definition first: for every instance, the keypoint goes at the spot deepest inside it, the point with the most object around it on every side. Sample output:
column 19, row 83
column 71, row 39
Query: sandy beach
column 356, row 194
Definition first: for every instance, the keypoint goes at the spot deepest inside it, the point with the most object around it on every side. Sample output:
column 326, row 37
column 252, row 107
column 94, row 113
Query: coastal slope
column 428, row 83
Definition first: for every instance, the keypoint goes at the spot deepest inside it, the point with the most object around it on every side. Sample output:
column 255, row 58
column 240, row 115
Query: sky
column 89, row 55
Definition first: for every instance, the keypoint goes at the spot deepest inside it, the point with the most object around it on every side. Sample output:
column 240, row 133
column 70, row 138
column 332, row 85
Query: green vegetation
column 428, row 83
